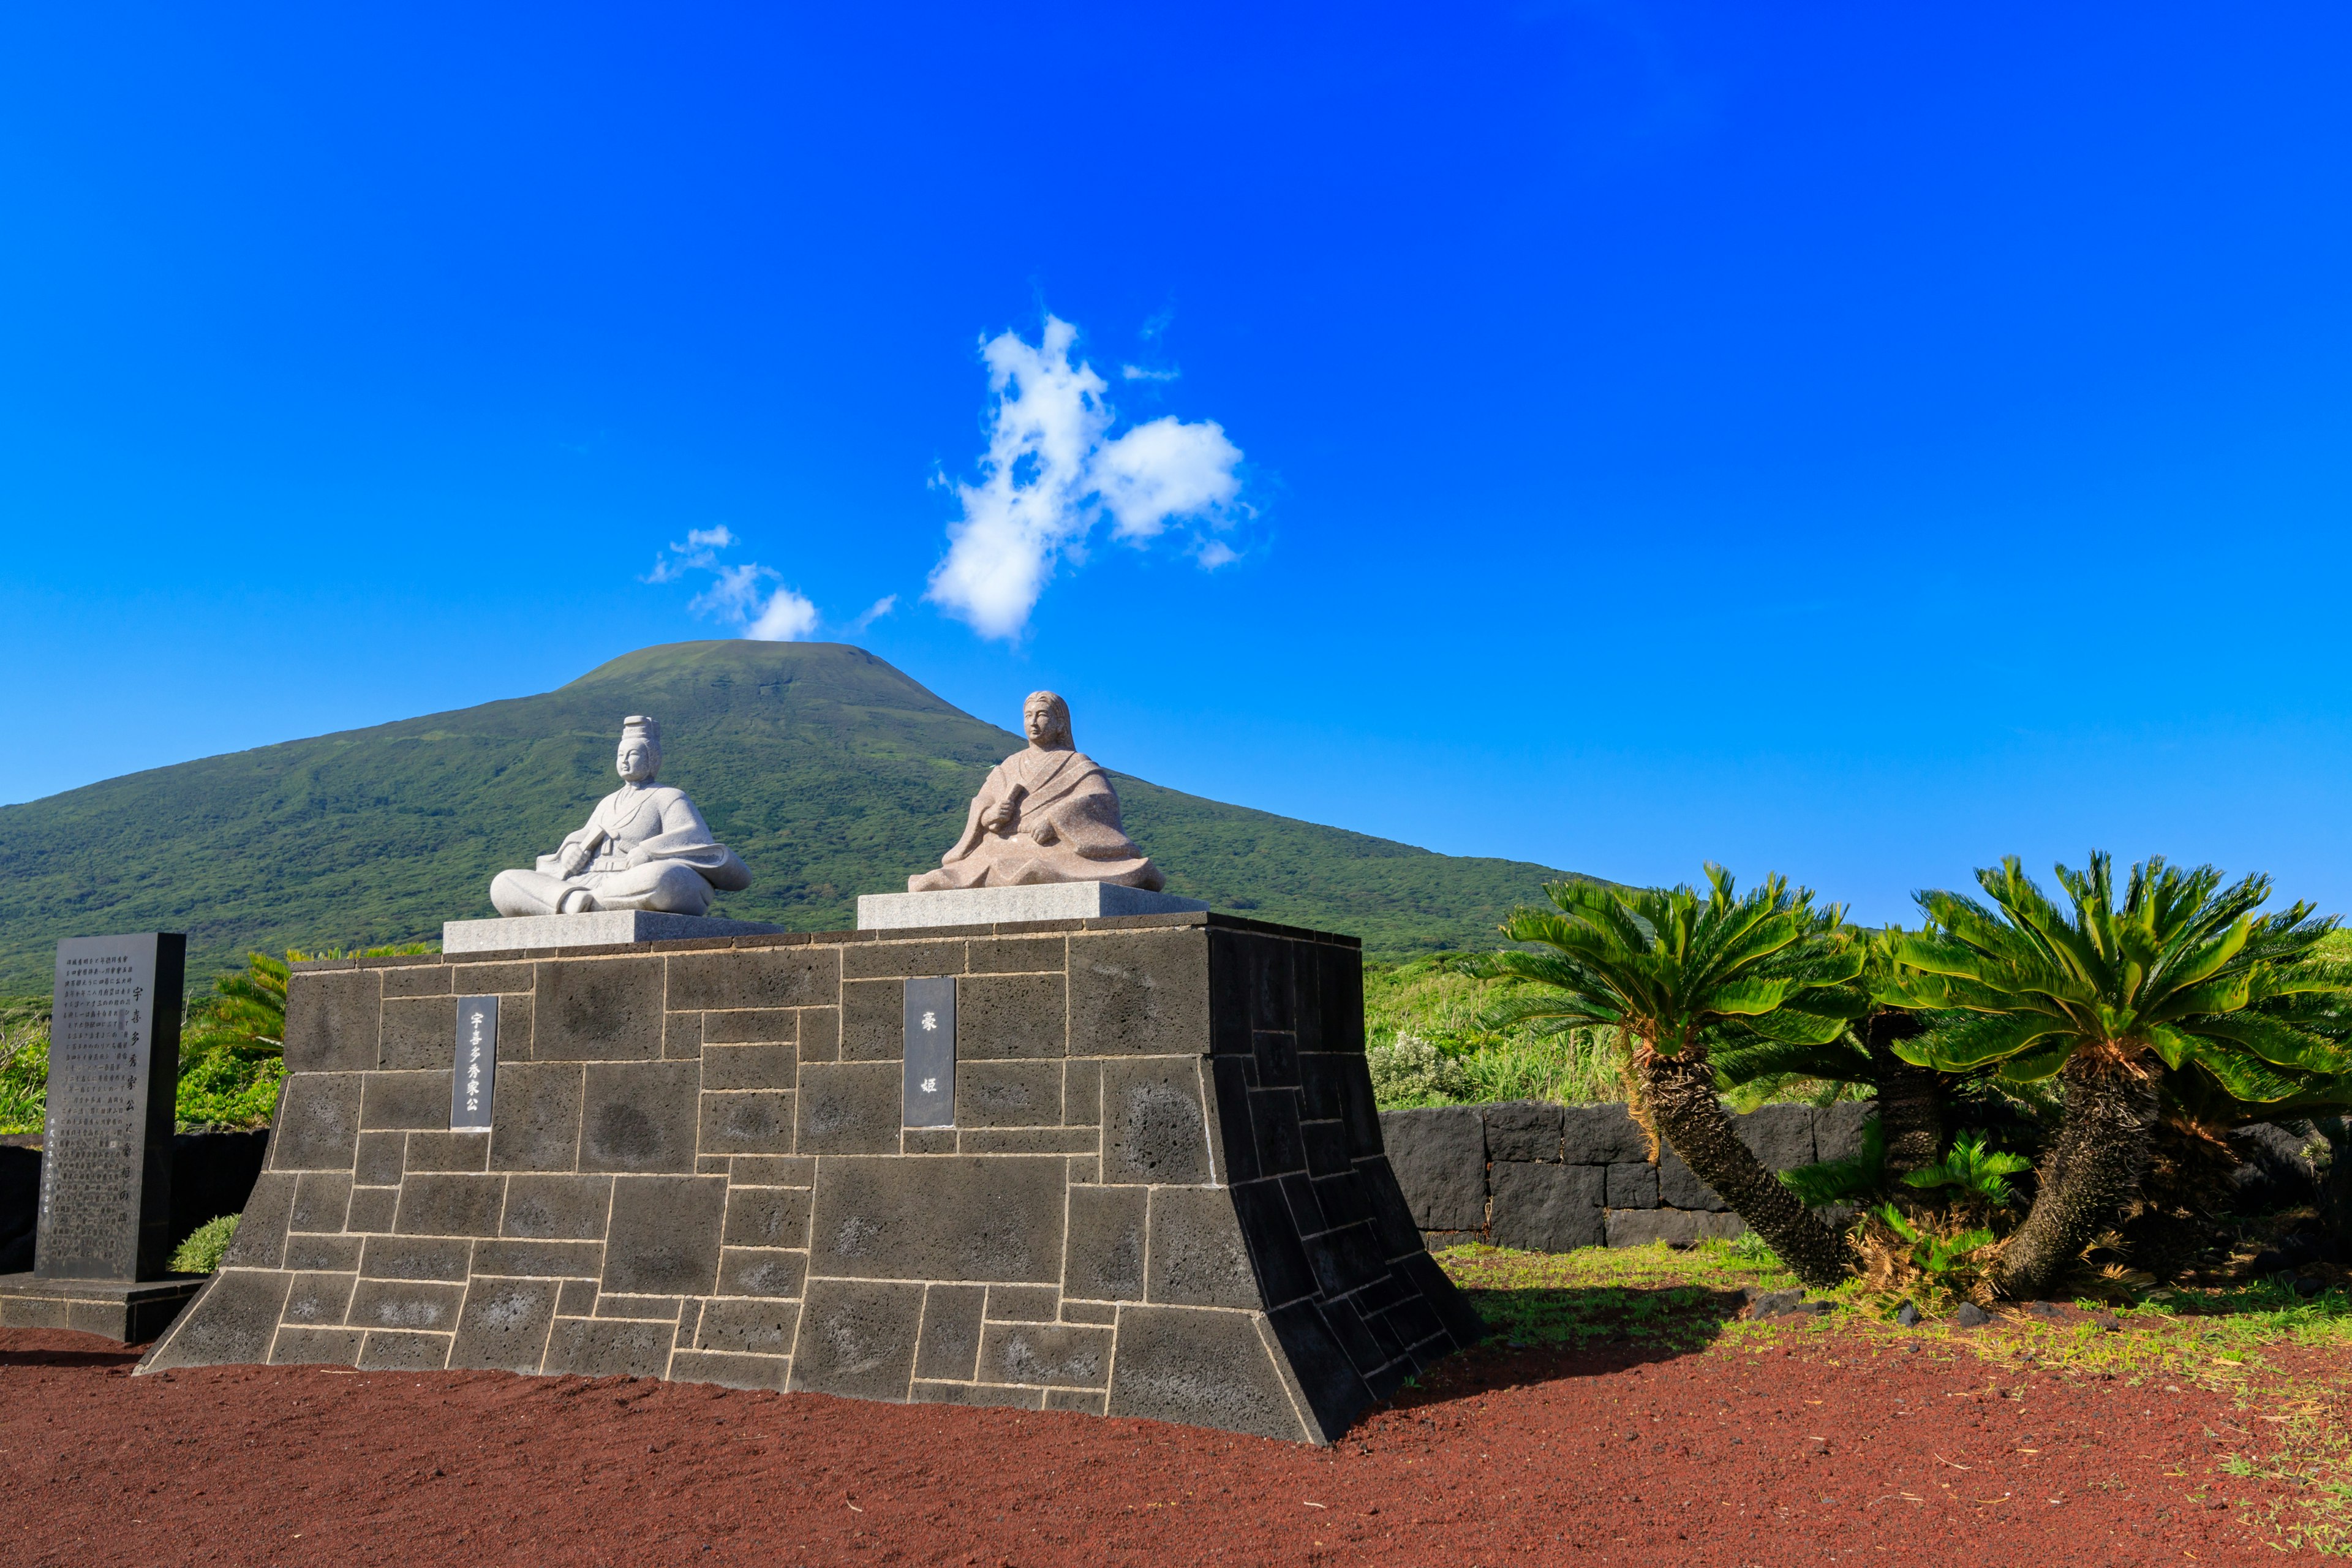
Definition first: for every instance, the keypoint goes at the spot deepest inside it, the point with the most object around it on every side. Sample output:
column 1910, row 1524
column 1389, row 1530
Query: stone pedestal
column 1162, row 1192
column 605, row 928
column 130, row 1313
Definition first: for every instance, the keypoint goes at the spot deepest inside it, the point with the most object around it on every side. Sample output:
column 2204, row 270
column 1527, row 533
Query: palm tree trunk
column 2094, row 1169
column 1910, row 1099
column 1694, row 1123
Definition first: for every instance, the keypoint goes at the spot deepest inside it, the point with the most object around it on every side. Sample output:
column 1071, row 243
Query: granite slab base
column 126, row 1312
column 605, row 927
column 989, row 906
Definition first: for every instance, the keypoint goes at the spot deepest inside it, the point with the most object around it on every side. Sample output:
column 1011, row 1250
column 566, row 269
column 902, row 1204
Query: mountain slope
column 829, row 771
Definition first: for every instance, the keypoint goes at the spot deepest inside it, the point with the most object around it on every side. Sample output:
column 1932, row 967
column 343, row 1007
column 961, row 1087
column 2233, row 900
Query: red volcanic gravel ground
column 1831, row 1450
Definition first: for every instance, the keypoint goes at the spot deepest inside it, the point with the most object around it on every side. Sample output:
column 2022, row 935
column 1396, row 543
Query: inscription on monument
column 478, row 1064
column 114, row 1071
column 929, row 1095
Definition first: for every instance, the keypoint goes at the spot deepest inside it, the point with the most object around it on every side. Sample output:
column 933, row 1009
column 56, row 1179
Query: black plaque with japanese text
column 114, row 1075
column 478, row 1064
column 929, row 1095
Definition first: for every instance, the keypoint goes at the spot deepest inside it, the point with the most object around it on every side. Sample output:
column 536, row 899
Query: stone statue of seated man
column 645, row 847
column 1046, row 815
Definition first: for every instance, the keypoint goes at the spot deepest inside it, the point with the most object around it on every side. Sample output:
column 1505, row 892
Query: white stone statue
column 1046, row 815
column 645, row 847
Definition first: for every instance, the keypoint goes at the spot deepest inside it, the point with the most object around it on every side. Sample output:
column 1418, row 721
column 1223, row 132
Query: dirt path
column 1833, row 1450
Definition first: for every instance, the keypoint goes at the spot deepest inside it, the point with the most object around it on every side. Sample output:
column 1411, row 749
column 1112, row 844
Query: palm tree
column 1676, row 970
column 2181, row 977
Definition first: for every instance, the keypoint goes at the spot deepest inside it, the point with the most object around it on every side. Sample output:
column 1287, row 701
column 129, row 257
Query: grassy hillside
column 828, row 771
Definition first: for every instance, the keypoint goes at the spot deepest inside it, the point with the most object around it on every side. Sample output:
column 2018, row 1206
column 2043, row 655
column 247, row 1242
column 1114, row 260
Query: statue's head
column 640, row 756
column 1046, row 720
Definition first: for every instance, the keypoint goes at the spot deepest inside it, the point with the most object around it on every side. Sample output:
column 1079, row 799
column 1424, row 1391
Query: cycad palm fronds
column 1682, row 972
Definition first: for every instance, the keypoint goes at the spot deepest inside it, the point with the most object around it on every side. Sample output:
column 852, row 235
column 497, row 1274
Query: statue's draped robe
column 653, row 851
column 1065, row 829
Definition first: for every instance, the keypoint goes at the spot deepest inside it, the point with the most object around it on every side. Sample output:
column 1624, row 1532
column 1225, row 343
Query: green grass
column 207, row 1245
column 1433, row 999
column 829, row 771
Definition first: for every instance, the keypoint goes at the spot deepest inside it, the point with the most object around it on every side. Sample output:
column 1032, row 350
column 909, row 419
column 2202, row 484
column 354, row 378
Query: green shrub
column 1839, row 1180
column 24, row 1064
column 202, row 1252
column 1981, row 1176
column 1412, row 1072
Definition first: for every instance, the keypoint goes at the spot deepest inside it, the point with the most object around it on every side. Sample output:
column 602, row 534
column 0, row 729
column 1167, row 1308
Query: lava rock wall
column 1550, row 1178
column 1165, row 1194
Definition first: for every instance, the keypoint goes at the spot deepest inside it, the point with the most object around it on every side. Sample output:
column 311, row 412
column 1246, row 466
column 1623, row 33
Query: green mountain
column 830, row 772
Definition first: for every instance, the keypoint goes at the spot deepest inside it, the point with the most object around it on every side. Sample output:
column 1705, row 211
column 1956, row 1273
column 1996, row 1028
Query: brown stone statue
column 1046, row 815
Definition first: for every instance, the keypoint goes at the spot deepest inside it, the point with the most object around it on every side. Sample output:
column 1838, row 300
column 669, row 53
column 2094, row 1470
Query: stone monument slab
column 990, row 906
column 605, row 927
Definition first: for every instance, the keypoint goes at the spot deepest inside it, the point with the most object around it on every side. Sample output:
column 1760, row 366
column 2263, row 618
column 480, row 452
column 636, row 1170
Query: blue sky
column 1837, row 439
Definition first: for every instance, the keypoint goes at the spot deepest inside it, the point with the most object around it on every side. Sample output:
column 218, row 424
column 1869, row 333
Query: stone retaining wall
column 1548, row 1178
column 1164, row 1194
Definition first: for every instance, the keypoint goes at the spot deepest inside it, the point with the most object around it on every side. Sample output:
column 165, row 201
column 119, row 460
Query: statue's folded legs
column 664, row 886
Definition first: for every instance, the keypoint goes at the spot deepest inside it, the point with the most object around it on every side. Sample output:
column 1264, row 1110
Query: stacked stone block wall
column 1164, row 1194
column 1550, row 1178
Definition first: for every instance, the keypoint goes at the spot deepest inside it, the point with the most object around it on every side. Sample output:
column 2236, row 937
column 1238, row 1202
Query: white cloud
column 1137, row 373
column 1049, row 473
column 873, row 611
column 738, row 594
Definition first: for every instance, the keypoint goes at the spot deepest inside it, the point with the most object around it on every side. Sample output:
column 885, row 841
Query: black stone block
column 319, row 1300
column 1392, row 1224
column 664, row 1239
column 414, row 1258
column 1009, row 1094
column 332, row 1017
column 1326, row 1377
column 1062, row 1354
column 747, row 1121
column 1276, row 1054
column 405, row 1304
column 1327, row 1147
column 316, row 1347
column 857, row 1339
column 769, row 1029
column 1346, row 1260
column 558, row 1208
column 949, row 1347
column 380, row 1159
column 540, row 1259
column 749, row 1066
column 405, row 1100
column 443, row 1150
column 749, row 1327
column 1236, row 1145
column 332, row 1254
column 1678, row 1188
column 609, row 1347
column 849, row 1108
column 449, row 1205
column 1780, row 1136
column 372, row 1209
column 1153, row 1130
column 639, row 1117
column 1229, row 994
column 1003, row 1017
column 1341, row 974
column 1282, row 1273
column 233, row 1319
column 394, row 1349
column 903, row 959
column 1359, row 1111
column 260, row 1239
column 1209, row 1369
column 767, row 1216
column 1838, row 1129
column 1274, row 1119
column 1142, row 992
column 1364, row 1350
column 1014, row 954
column 1307, row 996
column 873, row 1020
column 318, row 1125
column 1523, row 1130
column 761, row 1271
column 1344, row 1199
column 1198, row 1258
column 1023, row 1303
column 759, row 1372
column 1105, row 1261
column 598, row 1009
column 1548, row 1208
column 960, row 1218
column 806, row 976
column 1439, row 1158
column 1632, row 1185
column 419, row 1032
column 1452, row 1309
column 1322, row 1094
column 1602, row 1135
column 1306, row 1209
column 535, row 1117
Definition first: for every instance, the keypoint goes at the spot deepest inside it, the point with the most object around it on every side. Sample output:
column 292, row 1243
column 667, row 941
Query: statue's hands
column 573, row 860
column 1043, row 832
column 1000, row 817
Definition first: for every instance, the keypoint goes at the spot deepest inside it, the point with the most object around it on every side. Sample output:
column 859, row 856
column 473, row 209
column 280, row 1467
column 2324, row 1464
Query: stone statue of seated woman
column 645, row 847
column 1045, row 815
